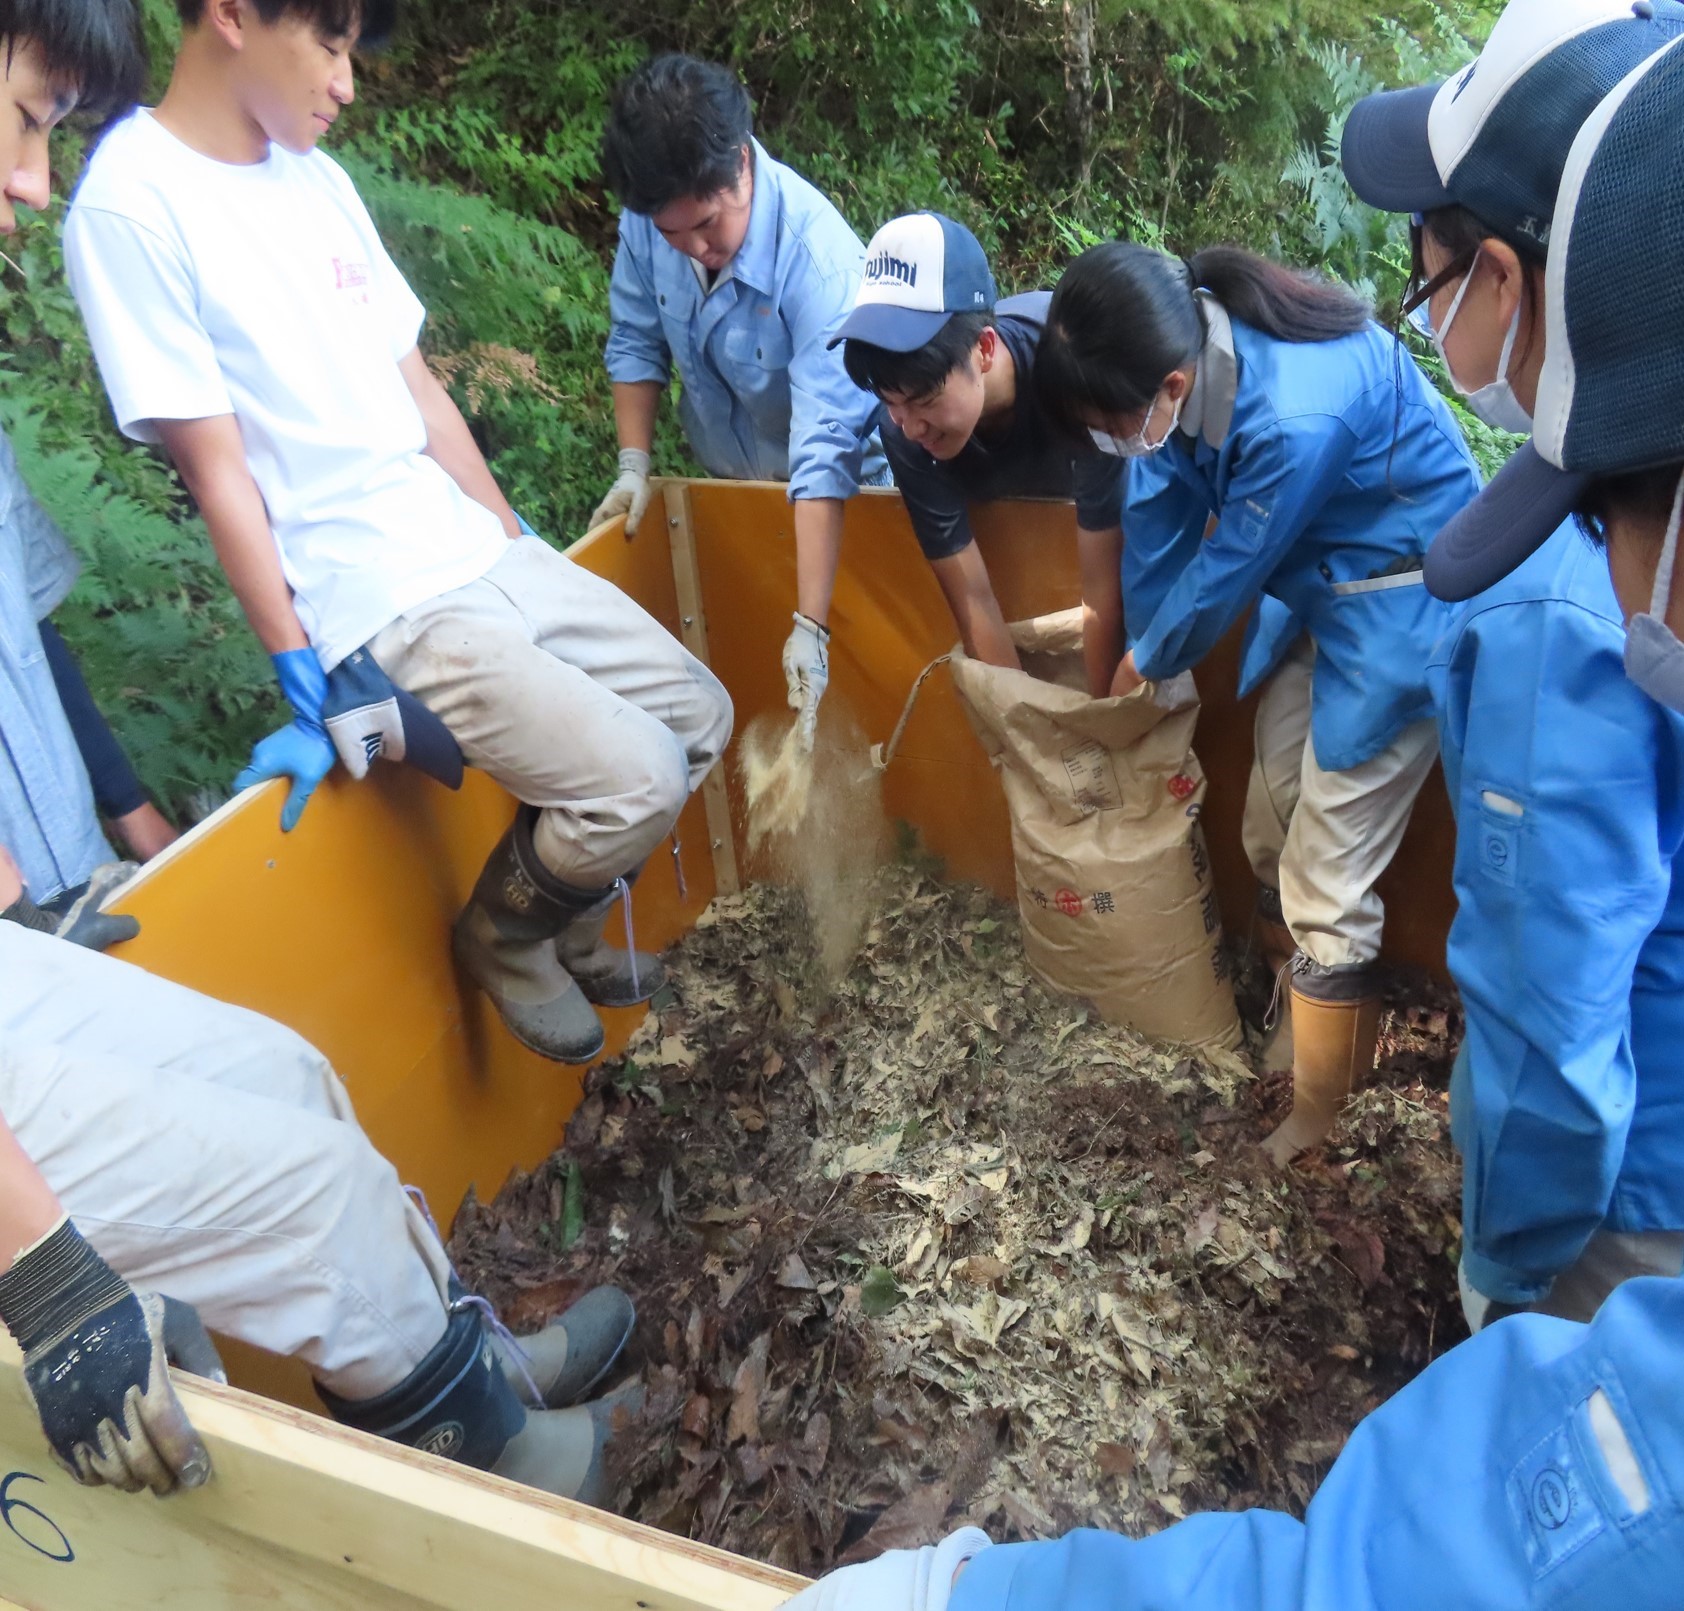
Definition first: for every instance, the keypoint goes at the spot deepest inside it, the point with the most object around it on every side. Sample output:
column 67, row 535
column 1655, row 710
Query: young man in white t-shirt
column 245, row 315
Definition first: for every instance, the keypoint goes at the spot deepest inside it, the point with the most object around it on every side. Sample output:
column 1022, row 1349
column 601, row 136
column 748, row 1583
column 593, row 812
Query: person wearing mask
column 736, row 271
column 1268, row 406
column 1567, row 778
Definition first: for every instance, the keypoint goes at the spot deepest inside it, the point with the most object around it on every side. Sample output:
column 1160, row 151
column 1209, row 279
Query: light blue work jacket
column 1536, row 1467
column 762, row 398
column 1568, row 943
column 47, row 818
column 1338, row 465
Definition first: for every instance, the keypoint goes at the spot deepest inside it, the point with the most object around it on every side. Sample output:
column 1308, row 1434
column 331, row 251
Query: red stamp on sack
column 1069, row 902
column 1181, row 785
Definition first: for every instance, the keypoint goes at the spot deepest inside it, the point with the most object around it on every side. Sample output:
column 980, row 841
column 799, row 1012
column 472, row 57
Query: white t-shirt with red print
column 263, row 291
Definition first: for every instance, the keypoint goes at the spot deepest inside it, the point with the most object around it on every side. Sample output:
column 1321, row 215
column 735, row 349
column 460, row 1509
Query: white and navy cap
column 1611, row 394
column 920, row 270
column 1495, row 137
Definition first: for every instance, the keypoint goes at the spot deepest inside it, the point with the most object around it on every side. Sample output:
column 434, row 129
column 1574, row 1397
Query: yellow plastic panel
column 889, row 621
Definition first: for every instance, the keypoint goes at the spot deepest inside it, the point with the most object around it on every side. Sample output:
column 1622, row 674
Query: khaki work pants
column 1323, row 838
column 572, row 697
column 208, row 1153
column 1609, row 1259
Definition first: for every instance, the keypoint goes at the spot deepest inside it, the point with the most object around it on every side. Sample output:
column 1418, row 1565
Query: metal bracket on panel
column 693, row 630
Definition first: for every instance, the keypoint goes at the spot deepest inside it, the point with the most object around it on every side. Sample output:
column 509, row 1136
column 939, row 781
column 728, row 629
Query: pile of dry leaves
column 935, row 1246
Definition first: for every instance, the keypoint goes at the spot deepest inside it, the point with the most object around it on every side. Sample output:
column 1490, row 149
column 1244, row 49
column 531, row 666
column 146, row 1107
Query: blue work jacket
column 762, row 398
column 1536, row 1467
column 47, row 818
column 1568, row 943
column 1339, row 464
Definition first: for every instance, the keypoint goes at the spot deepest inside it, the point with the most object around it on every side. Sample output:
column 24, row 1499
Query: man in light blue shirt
column 736, row 270
column 48, row 821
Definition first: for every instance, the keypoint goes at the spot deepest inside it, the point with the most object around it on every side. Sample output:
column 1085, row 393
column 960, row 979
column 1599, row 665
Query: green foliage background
column 1179, row 122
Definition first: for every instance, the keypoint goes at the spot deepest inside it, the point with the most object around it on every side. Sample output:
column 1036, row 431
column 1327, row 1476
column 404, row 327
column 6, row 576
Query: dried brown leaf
column 747, row 1389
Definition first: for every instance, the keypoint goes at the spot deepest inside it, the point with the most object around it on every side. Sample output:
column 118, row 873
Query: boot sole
column 550, row 1057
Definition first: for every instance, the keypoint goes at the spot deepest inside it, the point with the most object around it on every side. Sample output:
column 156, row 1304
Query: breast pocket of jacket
column 758, row 350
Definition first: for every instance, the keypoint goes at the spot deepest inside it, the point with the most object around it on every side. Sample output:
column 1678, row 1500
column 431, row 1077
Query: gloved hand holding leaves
column 630, row 494
column 807, row 673
column 902, row 1580
column 95, row 1357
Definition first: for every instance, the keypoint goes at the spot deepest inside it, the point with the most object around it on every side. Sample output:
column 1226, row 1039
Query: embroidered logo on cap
column 886, row 267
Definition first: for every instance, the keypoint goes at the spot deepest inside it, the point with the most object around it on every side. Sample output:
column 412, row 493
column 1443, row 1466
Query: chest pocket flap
column 760, row 340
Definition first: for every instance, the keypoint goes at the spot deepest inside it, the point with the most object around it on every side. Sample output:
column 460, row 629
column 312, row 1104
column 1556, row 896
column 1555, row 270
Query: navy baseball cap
column 1495, row 137
column 920, row 270
column 1611, row 393
column 370, row 718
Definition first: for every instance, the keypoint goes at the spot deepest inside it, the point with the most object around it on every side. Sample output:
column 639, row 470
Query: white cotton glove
column 902, row 1580
column 629, row 496
column 807, row 673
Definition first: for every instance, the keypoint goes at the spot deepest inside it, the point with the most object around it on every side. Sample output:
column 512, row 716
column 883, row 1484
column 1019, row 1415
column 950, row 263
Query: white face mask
column 1136, row 446
column 1654, row 655
column 1495, row 403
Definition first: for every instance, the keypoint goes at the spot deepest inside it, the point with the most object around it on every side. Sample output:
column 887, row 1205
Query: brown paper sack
column 1113, row 878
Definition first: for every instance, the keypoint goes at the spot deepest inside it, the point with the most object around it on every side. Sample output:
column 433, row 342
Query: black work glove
column 95, row 1361
column 83, row 923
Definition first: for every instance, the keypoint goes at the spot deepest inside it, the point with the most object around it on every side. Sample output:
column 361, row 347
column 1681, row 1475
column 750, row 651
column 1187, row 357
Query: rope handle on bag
column 882, row 754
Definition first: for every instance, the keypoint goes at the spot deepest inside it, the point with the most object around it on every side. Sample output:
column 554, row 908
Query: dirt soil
column 934, row 1246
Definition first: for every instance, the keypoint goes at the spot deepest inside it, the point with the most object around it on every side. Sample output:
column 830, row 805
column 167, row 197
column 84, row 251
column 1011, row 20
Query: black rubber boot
column 505, row 942
column 455, row 1403
column 609, row 975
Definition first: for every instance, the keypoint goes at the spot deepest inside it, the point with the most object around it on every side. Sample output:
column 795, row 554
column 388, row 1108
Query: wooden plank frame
column 303, row 1515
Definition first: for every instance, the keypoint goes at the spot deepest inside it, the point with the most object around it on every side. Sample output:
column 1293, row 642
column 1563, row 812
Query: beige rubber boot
column 1335, row 1043
column 1277, row 948
column 561, row 1451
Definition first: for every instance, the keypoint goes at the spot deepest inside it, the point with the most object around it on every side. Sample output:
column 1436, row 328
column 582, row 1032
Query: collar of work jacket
column 1210, row 405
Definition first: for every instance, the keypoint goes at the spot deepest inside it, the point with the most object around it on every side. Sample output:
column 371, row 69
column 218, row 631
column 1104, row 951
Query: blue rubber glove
column 301, row 751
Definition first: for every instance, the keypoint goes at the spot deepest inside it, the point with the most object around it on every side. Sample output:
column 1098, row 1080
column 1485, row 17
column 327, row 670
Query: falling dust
column 816, row 824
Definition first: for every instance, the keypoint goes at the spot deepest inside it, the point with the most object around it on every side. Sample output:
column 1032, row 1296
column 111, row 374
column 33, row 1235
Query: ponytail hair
column 1124, row 315
column 1288, row 304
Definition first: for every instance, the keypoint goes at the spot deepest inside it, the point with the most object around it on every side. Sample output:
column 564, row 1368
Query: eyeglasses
column 1415, row 302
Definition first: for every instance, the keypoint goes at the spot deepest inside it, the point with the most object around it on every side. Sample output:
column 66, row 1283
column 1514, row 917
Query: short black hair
column 1641, row 495
column 922, row 372
column 335, row 18
column 90, row 46
column 676, row 129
